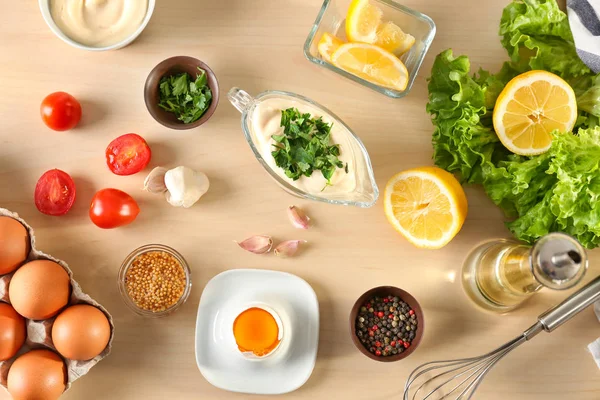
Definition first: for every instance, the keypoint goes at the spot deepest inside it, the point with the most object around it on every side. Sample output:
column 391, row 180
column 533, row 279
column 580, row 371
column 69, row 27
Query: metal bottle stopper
column 558, row 261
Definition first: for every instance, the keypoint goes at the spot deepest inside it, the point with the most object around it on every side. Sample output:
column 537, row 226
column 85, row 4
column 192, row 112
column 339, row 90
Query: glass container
column 365, row 192
column 332, row 19
column 500, row 275
column 127, row 263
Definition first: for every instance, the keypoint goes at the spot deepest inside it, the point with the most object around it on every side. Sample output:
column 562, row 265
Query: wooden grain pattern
column 257, row 45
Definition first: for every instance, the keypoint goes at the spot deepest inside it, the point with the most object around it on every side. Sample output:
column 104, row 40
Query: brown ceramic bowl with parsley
column 384, row 322
column 164, row 88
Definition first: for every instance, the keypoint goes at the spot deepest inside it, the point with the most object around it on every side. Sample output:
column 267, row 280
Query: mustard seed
column 155, row 281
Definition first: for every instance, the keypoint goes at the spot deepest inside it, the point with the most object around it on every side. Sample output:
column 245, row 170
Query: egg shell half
column 81, row 332
column 37, row 375
column 12, row 331
column 39, row 289
column 14, row 244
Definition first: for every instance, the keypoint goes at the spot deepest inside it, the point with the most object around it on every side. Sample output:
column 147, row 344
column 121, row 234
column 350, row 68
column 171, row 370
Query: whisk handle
column 573, row 305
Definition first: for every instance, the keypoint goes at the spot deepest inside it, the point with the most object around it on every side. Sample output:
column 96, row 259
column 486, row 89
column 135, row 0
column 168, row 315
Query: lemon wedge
column 373, row 64
column 362, row 21
column 364, row 25
column 391, row 38
column 328, row 45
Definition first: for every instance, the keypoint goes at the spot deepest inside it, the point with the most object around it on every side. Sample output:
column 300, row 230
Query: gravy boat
column 365, row 191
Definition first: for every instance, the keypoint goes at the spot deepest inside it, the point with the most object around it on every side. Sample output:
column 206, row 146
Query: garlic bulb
column 182, row 186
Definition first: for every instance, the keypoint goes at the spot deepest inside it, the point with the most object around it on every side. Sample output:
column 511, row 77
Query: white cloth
column 584, row 19
column 594, row 349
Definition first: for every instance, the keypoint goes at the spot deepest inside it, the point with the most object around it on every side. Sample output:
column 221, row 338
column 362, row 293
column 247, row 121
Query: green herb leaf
column 165, row 88
column 304, row 146
column 180, row 84
column 187, row 99
column 201, row 79
column 303, row 166
column 278, row 138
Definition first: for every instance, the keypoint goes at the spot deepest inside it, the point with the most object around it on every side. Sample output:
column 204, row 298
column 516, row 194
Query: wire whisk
column 459, row 379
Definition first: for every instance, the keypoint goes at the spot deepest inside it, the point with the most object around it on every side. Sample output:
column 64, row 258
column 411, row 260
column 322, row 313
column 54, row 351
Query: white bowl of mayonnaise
column 97, row 25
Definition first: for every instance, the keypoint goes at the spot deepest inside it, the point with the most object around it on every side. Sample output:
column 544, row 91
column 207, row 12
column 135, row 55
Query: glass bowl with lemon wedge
column 379, row 44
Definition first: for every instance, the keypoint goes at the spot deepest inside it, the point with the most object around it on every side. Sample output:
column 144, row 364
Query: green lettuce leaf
column 588, row 100
column 537, row 35
column 494, row 84
column 518, row 183
column 572, row 204
column 463, row 139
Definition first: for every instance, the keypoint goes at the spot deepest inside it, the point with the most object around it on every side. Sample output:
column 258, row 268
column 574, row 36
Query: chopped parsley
column 185, row 98
column 305, row 146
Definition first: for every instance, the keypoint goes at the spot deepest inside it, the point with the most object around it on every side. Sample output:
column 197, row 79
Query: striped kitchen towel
column 584, row 18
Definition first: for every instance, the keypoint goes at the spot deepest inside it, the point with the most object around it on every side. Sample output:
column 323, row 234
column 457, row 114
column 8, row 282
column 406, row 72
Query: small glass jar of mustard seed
column 154, row 280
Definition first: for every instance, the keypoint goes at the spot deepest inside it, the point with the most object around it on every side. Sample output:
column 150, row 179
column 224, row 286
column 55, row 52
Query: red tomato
column 128, row 154
column 112, row 208
column 60, row 111
column 55, row 193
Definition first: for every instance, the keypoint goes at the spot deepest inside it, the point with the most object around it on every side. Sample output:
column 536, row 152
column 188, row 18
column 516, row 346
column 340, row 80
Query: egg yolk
column 255, row 330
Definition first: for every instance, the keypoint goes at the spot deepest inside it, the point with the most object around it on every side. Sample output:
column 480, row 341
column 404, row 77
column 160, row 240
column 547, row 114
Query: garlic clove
column 155, row 181
column 288, row 248
column 299, row 219
column 259, row 244
column 185, row 186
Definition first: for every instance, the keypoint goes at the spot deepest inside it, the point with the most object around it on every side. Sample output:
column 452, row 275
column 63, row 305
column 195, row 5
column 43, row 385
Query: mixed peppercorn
column 386, row 326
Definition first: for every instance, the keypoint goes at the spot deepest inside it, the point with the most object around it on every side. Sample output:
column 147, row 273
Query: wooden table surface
column 257, row 45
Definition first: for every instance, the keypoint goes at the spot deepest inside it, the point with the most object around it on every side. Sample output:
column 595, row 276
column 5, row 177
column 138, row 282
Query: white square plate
column 217, row 355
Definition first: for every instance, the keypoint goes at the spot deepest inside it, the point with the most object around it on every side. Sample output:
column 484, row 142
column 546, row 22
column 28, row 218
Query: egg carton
column 39, row 332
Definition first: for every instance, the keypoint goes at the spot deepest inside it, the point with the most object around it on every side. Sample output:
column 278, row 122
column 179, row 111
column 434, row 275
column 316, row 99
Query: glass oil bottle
column 500, row 275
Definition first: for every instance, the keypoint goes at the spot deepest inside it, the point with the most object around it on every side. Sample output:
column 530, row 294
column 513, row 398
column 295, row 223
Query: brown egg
column 80, row 332
column 12, row 331
column 37, row 375
column 39, row 289
column 14, row 244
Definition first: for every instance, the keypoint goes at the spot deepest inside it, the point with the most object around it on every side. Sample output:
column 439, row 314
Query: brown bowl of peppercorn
column 386, row 324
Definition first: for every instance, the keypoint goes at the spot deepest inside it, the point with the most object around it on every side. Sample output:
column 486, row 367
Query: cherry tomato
column 128, row 154
column 112, row 208
column 60, row 111
column 55, row 193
